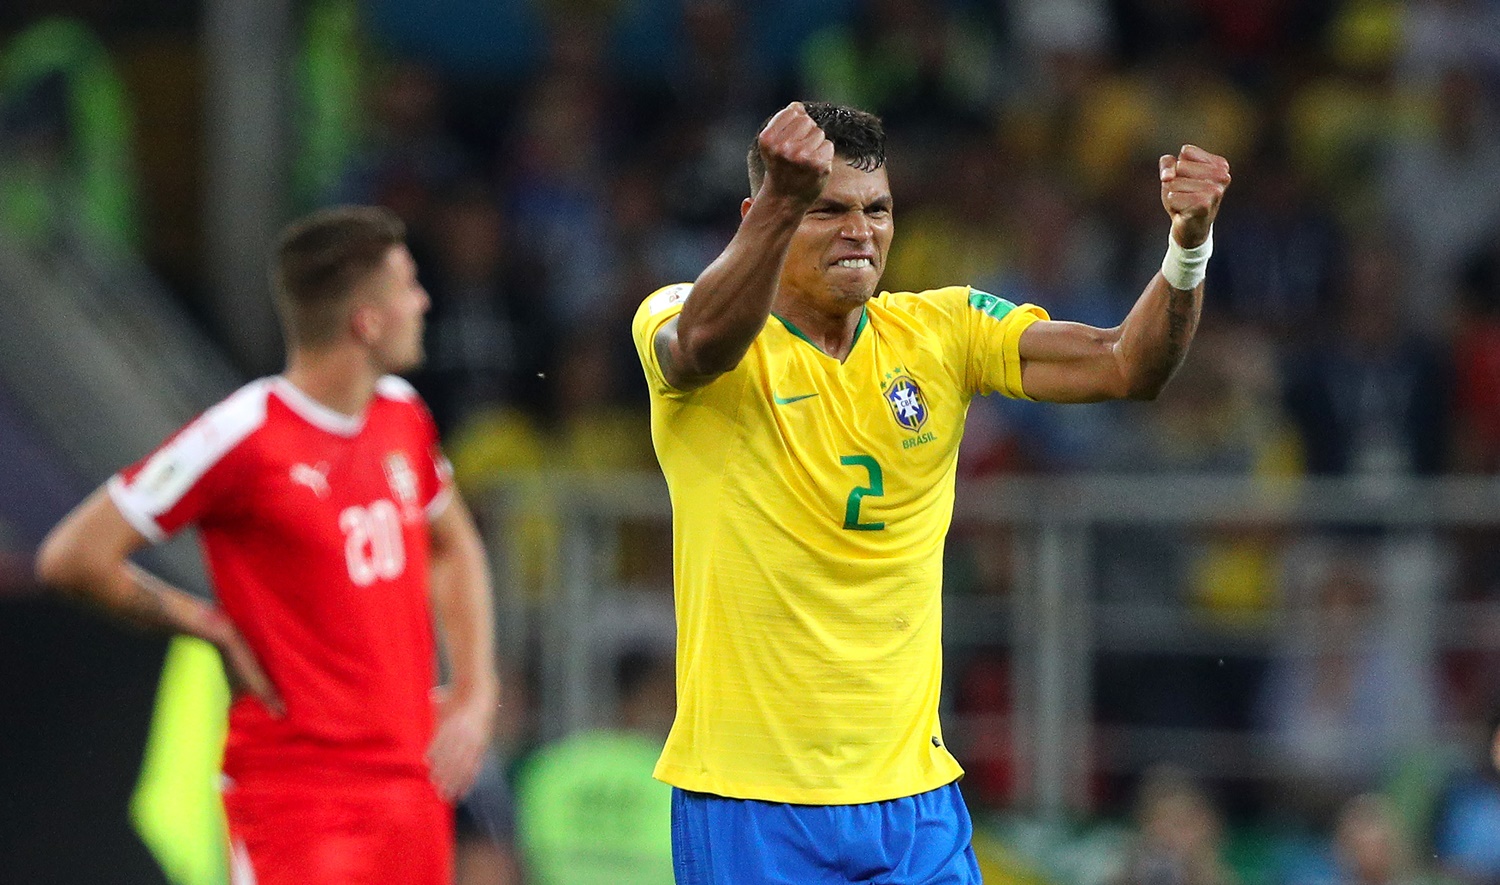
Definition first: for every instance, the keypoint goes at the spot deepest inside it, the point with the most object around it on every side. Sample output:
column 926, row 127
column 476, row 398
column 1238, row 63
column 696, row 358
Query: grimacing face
column 397, row 303
column 838, row 253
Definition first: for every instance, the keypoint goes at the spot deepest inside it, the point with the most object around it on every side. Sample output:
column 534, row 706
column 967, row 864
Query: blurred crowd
column 1351, row 323
column 557, row 161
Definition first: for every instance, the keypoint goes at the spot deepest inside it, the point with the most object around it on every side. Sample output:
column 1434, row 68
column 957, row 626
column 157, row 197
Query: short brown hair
column 320, row 258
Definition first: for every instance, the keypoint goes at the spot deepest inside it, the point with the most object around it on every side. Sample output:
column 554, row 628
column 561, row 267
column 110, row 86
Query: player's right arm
column 732, row 298
column 87, row 557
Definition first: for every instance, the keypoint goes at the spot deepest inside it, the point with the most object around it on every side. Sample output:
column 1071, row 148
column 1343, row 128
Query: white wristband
column 1185, row 268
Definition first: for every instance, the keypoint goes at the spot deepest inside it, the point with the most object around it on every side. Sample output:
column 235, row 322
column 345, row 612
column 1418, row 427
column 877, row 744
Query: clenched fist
column 1192, row 184
column 798, row 156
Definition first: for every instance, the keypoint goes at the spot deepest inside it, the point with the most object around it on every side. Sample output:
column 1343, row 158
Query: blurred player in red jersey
column 333, row 536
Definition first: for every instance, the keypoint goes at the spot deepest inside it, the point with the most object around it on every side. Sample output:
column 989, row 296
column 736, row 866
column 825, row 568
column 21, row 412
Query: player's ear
column 745, row 205
column 364, row 321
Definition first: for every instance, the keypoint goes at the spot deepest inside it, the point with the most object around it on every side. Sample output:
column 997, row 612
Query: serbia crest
column 908, row 405
column 403, row 482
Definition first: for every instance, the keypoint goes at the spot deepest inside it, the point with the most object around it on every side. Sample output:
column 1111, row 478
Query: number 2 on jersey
column 875, row 489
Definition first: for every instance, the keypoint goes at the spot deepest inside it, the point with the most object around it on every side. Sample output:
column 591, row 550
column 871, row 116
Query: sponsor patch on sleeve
column 674, row 294
column 172, row 471
column 992, row 305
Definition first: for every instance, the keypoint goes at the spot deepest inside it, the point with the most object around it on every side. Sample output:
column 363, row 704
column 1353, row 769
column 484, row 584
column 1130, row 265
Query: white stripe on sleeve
column 176, row 467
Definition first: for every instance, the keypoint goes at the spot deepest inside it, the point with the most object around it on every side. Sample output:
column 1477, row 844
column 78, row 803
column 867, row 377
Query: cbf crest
column 908, row 404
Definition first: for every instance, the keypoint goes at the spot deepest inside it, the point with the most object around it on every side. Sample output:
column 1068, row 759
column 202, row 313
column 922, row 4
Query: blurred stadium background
column 1247, row 633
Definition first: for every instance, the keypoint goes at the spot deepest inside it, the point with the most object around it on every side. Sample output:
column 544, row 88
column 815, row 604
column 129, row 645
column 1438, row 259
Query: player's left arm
column 461, row 601
column 1072, row 362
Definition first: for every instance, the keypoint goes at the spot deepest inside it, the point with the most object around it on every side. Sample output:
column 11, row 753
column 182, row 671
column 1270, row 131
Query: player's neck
column 340, row 379
column 831, row 332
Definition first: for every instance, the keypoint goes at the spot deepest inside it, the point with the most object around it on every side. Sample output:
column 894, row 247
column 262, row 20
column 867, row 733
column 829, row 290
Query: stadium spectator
column 1440, row 35
column 1372, row 400
column 1466, row 812
column 714, row 91
column 924, row 67
column 799, row 618
column 994, row 771
column 1476, row 358
column 655, row 238
column 1341, row 113
column 326, row 513
column 1174, row 95
column 1281, row 252
column 1474, row 674
column 958, row 221
column 409, row 157
column 590, row 812
column 1372, row 847
column 1223, row 418
column 1444, row 219
column 1369, row 846
column 557, row 183
column 1331, row 703
column 1179, row 838
column 494, row 40
column 1046, row 229
column 492, row 332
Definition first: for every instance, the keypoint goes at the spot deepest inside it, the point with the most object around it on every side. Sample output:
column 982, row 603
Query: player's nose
column 857, row 227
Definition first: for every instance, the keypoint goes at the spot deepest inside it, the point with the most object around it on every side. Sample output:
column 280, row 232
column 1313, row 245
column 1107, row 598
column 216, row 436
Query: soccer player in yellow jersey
column 808, row 429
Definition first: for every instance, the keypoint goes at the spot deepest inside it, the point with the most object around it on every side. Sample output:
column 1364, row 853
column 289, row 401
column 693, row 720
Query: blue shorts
column 919, row 840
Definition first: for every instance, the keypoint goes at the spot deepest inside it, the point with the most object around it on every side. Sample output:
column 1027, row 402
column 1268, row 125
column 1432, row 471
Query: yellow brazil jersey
column 810, row 501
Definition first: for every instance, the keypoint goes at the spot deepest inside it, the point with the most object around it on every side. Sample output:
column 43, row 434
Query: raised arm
column 732, row 297
column 461, row 601
column 87, row 557
column 1071, row 362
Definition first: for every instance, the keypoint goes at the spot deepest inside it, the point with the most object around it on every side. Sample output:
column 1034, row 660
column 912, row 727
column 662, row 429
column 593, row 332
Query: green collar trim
column 864, row 320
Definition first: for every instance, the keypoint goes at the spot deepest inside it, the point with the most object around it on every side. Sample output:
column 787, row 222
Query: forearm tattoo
column 1182, row 319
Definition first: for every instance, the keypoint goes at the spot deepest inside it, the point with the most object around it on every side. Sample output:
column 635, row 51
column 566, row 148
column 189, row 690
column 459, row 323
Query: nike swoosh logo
column 788, row 400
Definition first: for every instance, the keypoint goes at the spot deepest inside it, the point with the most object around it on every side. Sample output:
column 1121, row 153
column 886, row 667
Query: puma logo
column 315, row 478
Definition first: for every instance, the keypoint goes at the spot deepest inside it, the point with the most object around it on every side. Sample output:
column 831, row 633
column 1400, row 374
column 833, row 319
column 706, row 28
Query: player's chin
column 856, row 294
column 408, row 362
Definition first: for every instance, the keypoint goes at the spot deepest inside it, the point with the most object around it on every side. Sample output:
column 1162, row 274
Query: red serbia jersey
column 314, row 525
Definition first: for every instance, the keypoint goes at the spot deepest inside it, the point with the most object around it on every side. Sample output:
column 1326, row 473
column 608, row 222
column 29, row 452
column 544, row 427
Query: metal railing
column 1056, row 616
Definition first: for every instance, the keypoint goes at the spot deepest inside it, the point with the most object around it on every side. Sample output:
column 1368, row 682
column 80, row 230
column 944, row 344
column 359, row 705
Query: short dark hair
column 858, row 139
column 320, row 258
